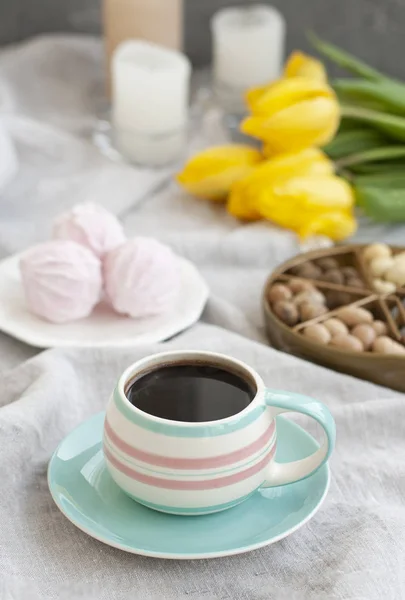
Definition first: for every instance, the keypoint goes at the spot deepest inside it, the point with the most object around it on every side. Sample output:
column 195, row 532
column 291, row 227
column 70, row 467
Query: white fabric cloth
column 8, row 158
column 353, row 549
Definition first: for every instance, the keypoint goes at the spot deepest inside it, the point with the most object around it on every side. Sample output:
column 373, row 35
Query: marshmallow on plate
column 62, row 280
column 92, row 226
column 141, row 277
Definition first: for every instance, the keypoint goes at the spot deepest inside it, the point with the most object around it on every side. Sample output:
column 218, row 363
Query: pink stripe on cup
column 213, row 462
column 199, row 485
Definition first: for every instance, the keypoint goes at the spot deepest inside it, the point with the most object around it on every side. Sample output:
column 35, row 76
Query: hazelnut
column 333, row 276
column 327, row 263
column 379, row 327
column 365, row 333
column 336, row 326
column 376, row 251
column 286, row 312
column 354, row 282
column 349, row 272
column 347, row 342
column 314, row 296
column 354, row 315
column 334, row 298
column 277, row 292
column 308, row 270
column 311, row 271
column 317, row 333
column 300, row 285
column 310, row 310
column 386, row 345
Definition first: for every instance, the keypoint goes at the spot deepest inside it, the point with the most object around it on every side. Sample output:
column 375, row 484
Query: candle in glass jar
column 150, row 91
column 248, row 50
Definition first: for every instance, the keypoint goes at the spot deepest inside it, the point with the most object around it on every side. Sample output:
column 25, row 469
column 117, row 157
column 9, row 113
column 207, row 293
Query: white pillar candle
column 248, row 50
column 150, row 91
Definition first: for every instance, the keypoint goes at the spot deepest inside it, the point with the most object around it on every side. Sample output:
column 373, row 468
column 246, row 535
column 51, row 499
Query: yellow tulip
column 211, row 173
column 298, row 65
column 302, row 65
column 297, row 191
column 311, row 204
column 335, row 225
column 244, row 193
column 241, row 202
column 292, row 114
column 253, row 94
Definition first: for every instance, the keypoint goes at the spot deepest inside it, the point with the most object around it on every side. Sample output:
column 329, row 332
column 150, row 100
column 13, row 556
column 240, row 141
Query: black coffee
column 191, row 392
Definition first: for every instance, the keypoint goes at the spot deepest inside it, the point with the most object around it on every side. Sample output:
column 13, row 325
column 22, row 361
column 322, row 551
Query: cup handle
column 281, row 402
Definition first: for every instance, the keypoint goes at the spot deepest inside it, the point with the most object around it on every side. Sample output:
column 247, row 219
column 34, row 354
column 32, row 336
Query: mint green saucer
column 85, row 493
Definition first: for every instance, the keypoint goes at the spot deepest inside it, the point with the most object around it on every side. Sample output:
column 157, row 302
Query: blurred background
column 371, row 29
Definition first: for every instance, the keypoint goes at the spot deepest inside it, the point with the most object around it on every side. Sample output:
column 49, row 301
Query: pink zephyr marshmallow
column 141, row 277
column 92, row 226
column 62, row 280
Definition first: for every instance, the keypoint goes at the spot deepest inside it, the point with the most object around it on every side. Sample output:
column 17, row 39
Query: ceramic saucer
column 85, row 493
column 103, row 328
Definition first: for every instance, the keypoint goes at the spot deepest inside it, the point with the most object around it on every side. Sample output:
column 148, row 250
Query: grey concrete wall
column 373, row 29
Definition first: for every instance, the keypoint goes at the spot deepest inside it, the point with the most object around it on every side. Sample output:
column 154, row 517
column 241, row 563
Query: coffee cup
column 193, row 433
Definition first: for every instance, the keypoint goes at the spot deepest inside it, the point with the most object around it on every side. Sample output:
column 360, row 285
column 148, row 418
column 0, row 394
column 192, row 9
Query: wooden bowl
column 383, row 369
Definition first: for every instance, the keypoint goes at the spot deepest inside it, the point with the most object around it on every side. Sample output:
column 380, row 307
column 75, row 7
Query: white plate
column 103, row 328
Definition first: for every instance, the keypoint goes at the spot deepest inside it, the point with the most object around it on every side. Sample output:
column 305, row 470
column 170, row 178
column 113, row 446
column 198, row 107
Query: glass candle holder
column 153, row 150
column 150, row 98
column 248, row 51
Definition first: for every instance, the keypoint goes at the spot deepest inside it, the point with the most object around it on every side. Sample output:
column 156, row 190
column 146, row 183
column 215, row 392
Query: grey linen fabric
column 354, row 548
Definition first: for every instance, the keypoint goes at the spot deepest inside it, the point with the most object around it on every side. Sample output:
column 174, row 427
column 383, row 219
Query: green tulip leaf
column 344, row 59
column 392, row 125
column 375, row 154
column 354, row 141
column 381, row 203
column 385, row 95
column 390, row 167
column 387, row 180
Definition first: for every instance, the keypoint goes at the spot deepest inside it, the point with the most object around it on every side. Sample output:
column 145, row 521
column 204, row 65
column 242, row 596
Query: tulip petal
column 308, row 123
column 211, row 173
column 305, row 162
column 319, row 192
column 287, row 92
column 309, row 205
column 335, row 225
column 246, row 194
column 253, row 94
column 302, row 65
column 240, row 203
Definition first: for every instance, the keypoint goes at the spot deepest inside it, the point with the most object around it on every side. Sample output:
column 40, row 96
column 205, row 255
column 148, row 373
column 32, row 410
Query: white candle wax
column 150, row 90
column 248, row 50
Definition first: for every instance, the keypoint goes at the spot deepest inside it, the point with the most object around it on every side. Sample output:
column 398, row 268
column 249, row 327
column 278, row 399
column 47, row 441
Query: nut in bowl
column 322, row 306
column 384, row 267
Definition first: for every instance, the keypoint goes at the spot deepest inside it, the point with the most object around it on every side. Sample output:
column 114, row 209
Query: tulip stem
column 385, row 153
column 352, row 111
column 345, row 174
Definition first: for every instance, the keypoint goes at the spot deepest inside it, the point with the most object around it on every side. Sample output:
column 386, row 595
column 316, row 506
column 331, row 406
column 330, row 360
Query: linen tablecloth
column 354, row 548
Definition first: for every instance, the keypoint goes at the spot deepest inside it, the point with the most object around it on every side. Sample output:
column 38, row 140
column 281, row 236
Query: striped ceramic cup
column 198, row 468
